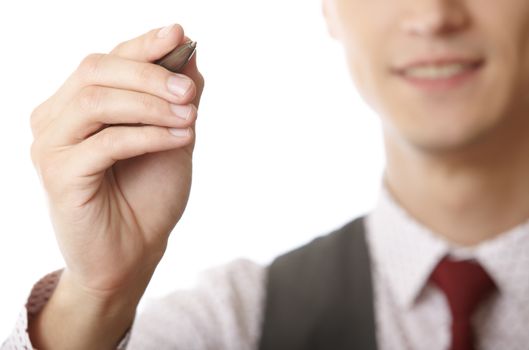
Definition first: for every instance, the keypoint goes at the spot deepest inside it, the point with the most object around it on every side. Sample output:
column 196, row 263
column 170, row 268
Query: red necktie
column 465, row 284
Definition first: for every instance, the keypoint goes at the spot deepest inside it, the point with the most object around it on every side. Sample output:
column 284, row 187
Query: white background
column 286, row 150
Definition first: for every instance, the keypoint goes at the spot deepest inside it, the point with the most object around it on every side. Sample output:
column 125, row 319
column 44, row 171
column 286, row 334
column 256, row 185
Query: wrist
column 96, row 303
column 78, row 318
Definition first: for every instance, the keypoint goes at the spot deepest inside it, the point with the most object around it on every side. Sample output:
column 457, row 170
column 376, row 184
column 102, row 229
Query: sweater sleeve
column 38, row 297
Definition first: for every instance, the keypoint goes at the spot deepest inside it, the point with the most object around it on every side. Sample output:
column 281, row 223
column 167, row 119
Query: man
column 447, row 242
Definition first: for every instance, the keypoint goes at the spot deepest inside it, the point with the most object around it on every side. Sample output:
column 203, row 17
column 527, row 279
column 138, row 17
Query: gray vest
column 319, row 296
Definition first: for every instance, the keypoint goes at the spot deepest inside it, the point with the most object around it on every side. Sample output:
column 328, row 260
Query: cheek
column 504, row 26
column 362, row 72
column 365, row 61
column 522, row 54
column 506, row 29
column 366, row 31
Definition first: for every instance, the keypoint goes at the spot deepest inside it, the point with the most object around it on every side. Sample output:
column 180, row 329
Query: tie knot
column 465, row 284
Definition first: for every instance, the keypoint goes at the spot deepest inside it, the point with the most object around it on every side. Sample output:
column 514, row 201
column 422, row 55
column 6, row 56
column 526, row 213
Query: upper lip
column 436, row 61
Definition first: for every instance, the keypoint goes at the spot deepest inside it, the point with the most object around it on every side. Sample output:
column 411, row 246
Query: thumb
column 152, row 45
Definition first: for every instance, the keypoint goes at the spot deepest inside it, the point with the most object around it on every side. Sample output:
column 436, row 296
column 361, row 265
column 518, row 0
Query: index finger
column 145, row 48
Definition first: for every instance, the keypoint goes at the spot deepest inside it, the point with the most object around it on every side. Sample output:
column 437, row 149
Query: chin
column 448, row 137
column 443, row 145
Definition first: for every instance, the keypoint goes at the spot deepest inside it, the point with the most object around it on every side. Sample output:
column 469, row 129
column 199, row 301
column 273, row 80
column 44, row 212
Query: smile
column 440, row 76
column 438, row 71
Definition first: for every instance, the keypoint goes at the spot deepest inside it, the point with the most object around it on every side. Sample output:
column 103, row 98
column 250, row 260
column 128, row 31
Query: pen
column 177, row 59
column 174, row 61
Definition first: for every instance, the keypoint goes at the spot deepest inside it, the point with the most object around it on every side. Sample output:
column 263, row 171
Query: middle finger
column 97, row 106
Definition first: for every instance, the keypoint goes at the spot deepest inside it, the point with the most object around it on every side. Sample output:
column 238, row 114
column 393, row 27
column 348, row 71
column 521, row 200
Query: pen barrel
column 177, row 58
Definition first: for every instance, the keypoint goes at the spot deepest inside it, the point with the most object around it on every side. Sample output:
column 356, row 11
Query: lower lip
column 444, row 84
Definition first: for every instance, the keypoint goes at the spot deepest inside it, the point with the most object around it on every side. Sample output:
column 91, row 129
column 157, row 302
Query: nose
column 434, row 17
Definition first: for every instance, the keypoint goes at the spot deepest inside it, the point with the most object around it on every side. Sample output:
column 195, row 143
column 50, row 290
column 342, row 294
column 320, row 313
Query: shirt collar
column 405, row 252
column 506, row 259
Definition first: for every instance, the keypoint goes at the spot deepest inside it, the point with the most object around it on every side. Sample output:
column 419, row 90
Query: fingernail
column 179, row 132
column 180, row 111
column 178, row 85
column 162, row 33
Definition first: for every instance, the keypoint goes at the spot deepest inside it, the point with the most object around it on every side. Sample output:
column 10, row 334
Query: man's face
column 442, row 74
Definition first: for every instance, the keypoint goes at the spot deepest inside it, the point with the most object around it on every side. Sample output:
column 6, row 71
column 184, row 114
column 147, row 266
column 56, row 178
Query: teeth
column 437, row 72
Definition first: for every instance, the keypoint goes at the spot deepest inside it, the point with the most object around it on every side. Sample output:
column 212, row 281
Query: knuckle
column 38, row 114
column 148, row 104
column 144, row 73
column 34, row 120
column 90, row 98
column 50, row 169
column 119, row 48
column 105, row 139
column 35, row 152
column 144, row 135
column 90, row 66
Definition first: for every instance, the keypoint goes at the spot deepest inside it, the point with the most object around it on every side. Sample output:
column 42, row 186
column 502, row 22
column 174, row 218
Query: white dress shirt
column 224, row 311
column 412, row 313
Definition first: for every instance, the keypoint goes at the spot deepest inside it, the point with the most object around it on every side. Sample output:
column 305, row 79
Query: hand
column 116, row 178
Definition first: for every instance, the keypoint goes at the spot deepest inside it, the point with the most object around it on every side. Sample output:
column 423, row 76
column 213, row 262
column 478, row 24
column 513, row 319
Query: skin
column 457, row 160
column 115, row 192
